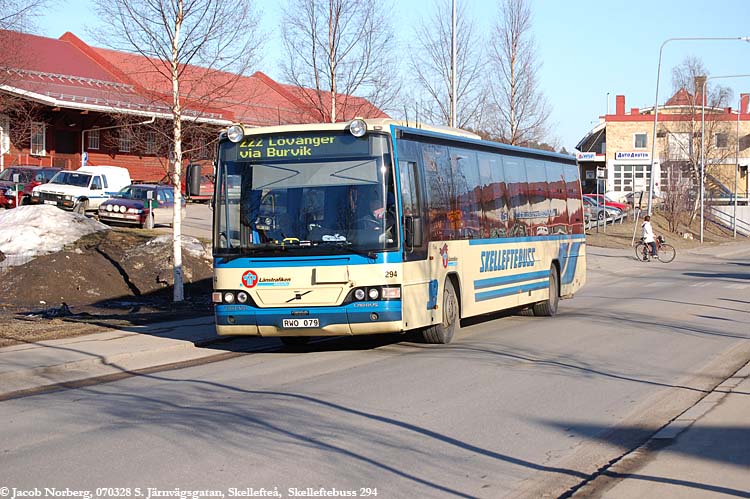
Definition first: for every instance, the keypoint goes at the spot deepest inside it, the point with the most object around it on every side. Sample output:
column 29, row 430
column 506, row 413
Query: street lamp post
column 736, row 169
column 656, row 100
column 703, row 139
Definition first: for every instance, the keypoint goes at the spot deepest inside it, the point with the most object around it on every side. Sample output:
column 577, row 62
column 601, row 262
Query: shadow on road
column 725, row 445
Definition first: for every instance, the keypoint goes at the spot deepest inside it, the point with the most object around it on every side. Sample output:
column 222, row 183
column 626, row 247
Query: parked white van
column 82, row 190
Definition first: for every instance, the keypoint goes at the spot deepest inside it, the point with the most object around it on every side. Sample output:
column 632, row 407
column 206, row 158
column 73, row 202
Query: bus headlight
column 358, row 127
column 242, row 297
column 235, row 133
column 359, row 294
column 373, row 293
column 228, row 297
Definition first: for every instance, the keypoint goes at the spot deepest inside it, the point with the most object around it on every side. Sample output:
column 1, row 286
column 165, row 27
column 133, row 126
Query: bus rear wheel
column 548, row 307
column 443, row 332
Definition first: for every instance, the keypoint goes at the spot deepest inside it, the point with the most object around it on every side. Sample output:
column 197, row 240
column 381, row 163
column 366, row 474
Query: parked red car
column 600, row 198
column 131, row 206
column 28, row 178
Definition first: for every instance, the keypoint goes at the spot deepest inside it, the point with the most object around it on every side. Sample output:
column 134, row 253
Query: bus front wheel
column 443, row 332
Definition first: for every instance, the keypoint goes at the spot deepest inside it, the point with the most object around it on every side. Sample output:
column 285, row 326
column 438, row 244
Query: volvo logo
column 298, row 295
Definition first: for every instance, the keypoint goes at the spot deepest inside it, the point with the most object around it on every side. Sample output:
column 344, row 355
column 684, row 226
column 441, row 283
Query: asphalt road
column 515, row 407
column 197, row 222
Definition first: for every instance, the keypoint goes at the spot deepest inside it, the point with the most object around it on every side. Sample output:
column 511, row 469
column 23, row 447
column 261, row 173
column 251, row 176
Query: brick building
column 620, row 147
column 61, row 97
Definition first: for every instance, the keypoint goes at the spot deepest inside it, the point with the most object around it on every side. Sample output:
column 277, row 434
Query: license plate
column 115, row 215
column 47, row 201
column 292, row 323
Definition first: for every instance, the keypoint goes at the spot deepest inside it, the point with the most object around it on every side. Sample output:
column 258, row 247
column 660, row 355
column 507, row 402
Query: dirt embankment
column 111, row 278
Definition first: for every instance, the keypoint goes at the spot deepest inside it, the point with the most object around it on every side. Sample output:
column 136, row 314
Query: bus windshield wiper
column 252, row 250
column 346, row 247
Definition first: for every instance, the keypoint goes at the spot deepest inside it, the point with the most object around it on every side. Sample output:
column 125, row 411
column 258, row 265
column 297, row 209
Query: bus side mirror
column 413, row 232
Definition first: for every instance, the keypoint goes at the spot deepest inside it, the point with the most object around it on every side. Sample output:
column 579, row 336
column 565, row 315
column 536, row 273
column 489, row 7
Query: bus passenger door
column 416, row 278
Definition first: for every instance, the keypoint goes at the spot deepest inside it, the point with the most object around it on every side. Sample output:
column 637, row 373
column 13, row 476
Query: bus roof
column 373, row 124
column 384, row 125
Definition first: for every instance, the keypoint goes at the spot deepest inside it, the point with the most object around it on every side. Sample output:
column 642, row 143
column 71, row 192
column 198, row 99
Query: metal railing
column 726, row 221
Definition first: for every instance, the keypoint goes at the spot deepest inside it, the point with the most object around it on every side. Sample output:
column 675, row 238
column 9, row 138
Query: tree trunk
column 178, row 294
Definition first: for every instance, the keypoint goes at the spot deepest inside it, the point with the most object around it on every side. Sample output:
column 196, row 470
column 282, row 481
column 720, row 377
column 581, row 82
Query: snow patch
column 190, row 244
column 38, row 230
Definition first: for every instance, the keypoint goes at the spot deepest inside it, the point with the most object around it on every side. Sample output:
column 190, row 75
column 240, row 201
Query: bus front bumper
column 351, row 319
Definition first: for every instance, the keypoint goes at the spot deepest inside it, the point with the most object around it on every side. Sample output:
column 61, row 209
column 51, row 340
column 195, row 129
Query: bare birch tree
column 337, row 48
column 18, row 15
column 521, row 111
column 430, row 63
column 196, row 51
column 681, row 127
column 15, row 15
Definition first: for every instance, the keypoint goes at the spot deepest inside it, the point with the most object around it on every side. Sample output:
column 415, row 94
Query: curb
column 39, row 378
column 34, row 367
column 710, row 401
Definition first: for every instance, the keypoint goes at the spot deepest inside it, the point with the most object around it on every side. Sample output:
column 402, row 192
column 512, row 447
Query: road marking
column 737, row 286
column 700, row 284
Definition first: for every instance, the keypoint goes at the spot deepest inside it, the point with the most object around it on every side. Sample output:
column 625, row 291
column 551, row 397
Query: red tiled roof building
column 77, row 93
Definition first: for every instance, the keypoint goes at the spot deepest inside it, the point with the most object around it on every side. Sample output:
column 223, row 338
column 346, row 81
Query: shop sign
column 586, row 156
column 632, row 155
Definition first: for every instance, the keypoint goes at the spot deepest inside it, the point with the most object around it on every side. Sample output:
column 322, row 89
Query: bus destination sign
column 307, row 146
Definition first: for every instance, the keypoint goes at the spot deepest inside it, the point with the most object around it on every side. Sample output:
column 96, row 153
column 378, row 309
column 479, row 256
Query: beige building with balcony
column 618, row 149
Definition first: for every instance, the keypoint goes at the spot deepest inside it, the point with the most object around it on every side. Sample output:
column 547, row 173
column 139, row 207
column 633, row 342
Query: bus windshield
column 308, row 193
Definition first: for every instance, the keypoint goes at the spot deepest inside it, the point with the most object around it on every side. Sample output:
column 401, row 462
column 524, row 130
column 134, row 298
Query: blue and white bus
column 375, row 226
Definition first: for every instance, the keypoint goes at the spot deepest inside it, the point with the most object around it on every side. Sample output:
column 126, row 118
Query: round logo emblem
column 249, row 279
column 444, row 255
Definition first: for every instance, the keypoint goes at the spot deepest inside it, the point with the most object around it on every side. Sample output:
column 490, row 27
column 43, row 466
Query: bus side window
column 493, row 200
column 410, row 198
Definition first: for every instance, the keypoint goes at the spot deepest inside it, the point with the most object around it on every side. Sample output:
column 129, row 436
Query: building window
column 126, row 140
column 640, row 141
column 38, row 139
column 151, row 142
column 93, row 142
column 635, row 178
column 604, row 148
column 722, row 140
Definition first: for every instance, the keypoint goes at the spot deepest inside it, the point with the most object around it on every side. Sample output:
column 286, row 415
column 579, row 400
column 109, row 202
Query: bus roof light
column 235, row 133
column 358, row 127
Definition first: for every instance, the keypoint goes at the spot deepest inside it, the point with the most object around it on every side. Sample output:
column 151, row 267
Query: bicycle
column 665, row 253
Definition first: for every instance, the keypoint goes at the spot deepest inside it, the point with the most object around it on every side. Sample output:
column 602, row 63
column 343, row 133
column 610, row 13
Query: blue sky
column 587, row 48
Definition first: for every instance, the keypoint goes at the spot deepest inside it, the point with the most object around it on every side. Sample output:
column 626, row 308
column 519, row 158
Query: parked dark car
column 29, row 177
column 134, row 206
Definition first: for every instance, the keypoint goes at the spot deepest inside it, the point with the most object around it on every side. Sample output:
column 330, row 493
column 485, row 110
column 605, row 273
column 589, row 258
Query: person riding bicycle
column 647, row 234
